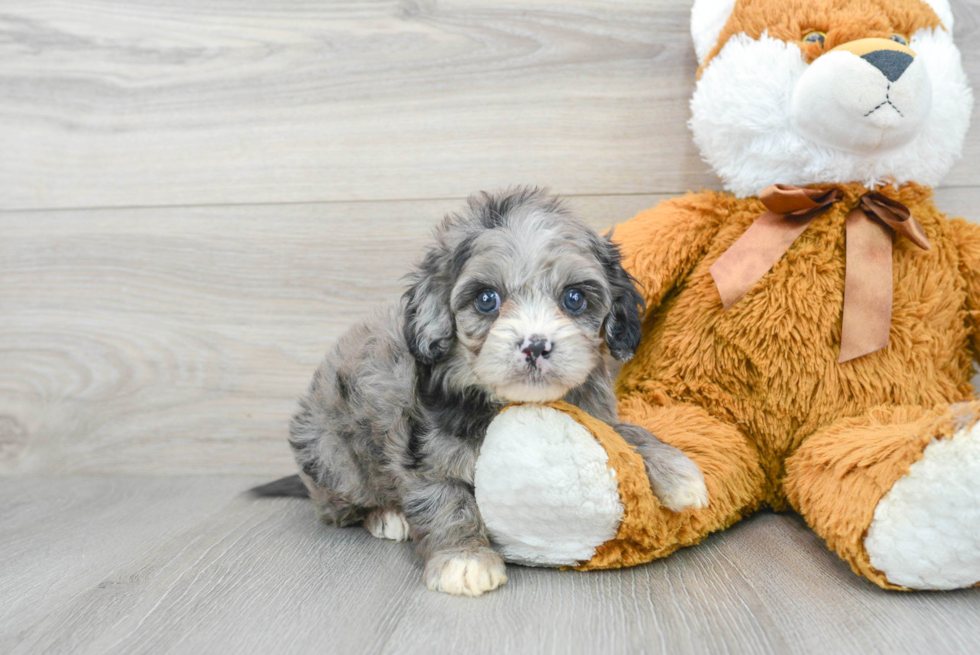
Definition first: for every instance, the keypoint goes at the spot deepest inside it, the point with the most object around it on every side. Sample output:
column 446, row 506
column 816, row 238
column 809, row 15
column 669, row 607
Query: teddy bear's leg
column 732, row 474
column 896, row 493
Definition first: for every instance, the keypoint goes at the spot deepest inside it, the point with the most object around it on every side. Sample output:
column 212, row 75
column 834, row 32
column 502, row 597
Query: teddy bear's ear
column 708, row 18
column 942, row 9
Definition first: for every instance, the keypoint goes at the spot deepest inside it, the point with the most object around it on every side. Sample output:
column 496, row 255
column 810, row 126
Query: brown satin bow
column 868, row 275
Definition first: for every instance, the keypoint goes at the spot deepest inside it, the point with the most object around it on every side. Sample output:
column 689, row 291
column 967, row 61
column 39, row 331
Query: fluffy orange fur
column 732, row 475
column 756, row 396
column 648, row 530
column 841, row 20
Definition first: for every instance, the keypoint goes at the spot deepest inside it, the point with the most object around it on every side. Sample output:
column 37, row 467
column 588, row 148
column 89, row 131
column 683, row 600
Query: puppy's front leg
column 676, row 481
column 452, row 538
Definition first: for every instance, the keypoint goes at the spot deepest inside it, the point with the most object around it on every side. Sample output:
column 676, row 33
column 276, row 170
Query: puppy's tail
column 291, row 486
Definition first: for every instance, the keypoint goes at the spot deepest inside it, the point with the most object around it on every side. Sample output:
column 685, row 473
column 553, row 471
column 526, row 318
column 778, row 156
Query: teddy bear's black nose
column 891, row 63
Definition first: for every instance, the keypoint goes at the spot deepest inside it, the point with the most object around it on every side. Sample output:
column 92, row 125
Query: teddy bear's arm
column 661, row 245
column 968, row 238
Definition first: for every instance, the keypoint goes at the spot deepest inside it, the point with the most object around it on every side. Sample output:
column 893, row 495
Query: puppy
column 517, row 300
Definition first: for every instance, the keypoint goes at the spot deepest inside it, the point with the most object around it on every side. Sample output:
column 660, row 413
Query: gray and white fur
column 390, row 429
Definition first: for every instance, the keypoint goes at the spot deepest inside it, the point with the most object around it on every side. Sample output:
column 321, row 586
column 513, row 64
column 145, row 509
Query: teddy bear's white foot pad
column 544, row 488
column 926, row 530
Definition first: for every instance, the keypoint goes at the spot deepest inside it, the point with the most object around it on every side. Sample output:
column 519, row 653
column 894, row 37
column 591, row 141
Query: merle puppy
column 517, row 300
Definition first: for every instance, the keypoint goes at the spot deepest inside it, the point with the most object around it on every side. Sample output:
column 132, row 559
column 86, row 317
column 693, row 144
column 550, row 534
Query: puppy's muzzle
column 534, row 347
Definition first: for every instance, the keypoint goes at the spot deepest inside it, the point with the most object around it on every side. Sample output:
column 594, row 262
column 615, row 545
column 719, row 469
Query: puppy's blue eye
column 487, row 301
column 573, row 301
column 898, row 38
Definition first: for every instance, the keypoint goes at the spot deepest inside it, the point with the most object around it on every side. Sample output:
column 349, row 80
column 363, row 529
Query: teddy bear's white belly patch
column 544, row 488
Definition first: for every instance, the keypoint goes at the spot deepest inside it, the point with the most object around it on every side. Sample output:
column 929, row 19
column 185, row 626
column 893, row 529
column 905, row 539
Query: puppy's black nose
column 536, row 347
column 891, row 63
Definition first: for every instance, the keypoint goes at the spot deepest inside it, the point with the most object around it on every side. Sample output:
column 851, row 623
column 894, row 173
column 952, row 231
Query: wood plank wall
column 197, row 198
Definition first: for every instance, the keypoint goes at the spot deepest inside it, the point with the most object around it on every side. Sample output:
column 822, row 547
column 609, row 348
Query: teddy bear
column 810, row 332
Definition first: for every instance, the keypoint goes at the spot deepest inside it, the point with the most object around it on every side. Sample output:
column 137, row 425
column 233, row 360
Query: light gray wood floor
column 190, row 565
column 196, row 198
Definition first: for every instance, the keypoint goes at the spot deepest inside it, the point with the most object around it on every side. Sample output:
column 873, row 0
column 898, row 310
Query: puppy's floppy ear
column 622, row 326
column 428, row 322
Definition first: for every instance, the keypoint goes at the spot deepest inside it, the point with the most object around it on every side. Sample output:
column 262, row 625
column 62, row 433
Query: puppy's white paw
column 465, row 572
column 387, row 524
column 683, row 489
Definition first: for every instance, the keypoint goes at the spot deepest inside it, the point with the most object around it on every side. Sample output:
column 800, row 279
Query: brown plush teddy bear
column 810, row 345
column 810, row 334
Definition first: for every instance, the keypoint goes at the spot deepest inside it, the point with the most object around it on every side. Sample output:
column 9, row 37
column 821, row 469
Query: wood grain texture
column 177, row 340
column 174, row 341
column 244, row 101
column 59, row 537
column 263, row 576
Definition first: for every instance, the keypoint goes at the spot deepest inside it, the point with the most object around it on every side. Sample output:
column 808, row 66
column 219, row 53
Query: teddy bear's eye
column 898, row 38
column 815, row 37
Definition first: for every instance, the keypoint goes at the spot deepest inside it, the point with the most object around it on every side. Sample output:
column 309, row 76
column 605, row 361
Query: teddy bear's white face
column 827, row 91
column 864, row 97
